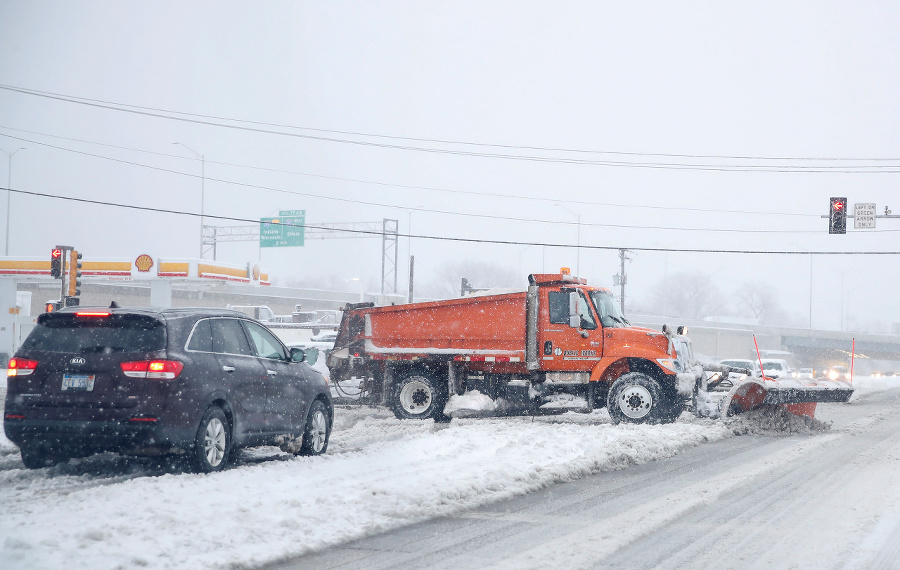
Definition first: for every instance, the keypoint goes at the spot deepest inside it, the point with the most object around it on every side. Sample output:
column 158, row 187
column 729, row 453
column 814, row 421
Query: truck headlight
column 669, row 364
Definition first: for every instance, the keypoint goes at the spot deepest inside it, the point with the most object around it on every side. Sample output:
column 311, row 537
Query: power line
column 85, row 100
column 449, row 238
column 216, row 122
column 415, row 208
column 404, row 186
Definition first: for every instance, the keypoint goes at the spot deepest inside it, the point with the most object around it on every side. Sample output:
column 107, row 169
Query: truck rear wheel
column 418, row 396
column 636, row 398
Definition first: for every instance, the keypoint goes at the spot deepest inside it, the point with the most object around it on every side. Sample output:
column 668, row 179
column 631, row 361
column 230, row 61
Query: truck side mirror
column 574, row 317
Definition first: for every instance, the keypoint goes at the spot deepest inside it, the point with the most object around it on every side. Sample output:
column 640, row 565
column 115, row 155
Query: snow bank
column 863, row 385
column 472, row 403
column 380, row 473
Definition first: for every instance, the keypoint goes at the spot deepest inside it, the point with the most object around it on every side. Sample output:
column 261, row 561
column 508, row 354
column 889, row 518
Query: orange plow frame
column 798, row 397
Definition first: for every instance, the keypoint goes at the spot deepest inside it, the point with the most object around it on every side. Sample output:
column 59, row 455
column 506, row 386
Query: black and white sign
column 863, row 216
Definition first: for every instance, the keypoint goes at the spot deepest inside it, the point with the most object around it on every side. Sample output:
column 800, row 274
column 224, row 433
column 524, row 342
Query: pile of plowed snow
column 775, row 420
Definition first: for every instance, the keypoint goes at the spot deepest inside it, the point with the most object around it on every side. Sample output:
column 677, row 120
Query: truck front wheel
column 635, row 398
column 417, row 397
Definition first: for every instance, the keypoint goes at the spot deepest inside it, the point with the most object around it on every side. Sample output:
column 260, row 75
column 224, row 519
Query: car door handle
column 271, row 373
column 229, row 368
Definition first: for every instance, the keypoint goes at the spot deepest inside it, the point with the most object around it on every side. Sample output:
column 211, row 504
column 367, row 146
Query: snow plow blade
column 754, row 393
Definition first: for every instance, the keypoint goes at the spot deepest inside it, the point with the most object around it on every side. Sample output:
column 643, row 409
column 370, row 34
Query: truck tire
column 636, row 398
column 673, row 406
column 417, row 396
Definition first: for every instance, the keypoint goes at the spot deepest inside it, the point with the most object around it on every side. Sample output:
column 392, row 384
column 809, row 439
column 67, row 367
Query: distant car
column 744, row 363
column 805, row 373
column 327, row 336
column 198, row 382
column 775, row 368
column 888, row 374
column 838, row 373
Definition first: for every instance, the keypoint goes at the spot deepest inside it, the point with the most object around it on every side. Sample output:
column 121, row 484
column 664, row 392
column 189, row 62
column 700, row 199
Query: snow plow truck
column 558, row 345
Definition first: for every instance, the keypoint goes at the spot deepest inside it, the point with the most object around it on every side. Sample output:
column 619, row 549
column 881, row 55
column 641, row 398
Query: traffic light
column 837, row 218
column 52, row 306
column 56, row 259
column 74, row 273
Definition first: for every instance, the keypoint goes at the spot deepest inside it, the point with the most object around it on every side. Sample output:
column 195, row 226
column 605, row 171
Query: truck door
column 570, row 338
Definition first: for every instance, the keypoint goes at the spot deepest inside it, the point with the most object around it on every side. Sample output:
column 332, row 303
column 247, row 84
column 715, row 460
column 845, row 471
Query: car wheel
column 212, row 444
column 635, row 398
column 417, row 397
column 318, row 428
column 38, row 457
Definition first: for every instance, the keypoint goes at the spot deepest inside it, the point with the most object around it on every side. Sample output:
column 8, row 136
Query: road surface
column 828, row 500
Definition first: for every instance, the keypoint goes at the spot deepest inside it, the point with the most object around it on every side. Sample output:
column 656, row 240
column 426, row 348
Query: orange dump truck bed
column 489, row 325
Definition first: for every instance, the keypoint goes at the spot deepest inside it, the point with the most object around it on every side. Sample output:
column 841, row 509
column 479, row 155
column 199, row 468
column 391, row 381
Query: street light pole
column 202, row 189
column 9, row 191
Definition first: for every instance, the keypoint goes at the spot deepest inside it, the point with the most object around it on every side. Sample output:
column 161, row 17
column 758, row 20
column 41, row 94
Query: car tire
column 635, row 398
column 417, row 396
column 212, row 444
column 38, row 457
column 317, row 430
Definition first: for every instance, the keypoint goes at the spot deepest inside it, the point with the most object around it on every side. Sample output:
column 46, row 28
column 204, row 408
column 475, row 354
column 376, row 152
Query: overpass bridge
column 802, row 348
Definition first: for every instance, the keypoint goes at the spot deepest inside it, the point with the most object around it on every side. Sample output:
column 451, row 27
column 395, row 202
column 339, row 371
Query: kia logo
column 77, row 360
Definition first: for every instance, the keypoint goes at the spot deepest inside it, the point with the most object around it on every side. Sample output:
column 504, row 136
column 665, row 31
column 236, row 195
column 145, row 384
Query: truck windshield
column 608, row 309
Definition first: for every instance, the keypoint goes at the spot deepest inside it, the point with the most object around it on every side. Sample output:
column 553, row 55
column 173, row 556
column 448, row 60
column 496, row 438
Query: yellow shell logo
column 143, row 262
column 256, row 272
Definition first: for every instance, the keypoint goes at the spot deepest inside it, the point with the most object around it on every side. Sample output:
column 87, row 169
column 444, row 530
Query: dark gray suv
column 196, row 382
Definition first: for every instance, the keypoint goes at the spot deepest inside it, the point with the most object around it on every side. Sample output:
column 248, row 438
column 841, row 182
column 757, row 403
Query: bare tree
column 688, row 295
column 480, row 274
column 759, row 299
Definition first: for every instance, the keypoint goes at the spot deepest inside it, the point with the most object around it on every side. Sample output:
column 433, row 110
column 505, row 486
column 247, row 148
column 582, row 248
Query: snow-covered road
column 380, row 473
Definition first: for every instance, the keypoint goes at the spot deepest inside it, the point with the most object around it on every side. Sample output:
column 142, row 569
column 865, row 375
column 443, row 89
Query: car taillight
column 20, row 367
column 158, row 369
column 92, row 314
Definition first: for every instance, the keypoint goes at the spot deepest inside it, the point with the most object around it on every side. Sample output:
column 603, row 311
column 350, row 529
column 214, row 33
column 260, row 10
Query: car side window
column 228, row 337
column 201, row 337
column 265, row 345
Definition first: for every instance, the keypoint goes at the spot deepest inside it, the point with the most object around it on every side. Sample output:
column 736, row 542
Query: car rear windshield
column 97, row 335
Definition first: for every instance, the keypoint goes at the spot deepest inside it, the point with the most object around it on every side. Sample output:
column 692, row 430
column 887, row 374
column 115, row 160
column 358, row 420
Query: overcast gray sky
column 620, row 115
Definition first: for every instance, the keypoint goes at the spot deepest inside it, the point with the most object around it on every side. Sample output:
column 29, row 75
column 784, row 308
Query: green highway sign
column 287, row 230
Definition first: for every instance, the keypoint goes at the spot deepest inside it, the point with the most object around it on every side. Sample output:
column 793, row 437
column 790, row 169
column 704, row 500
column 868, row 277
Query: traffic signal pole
column 64, row 266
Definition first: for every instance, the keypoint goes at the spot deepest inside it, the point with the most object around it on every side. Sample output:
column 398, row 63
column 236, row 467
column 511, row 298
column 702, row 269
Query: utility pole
column 412, row 266
column 621, row 279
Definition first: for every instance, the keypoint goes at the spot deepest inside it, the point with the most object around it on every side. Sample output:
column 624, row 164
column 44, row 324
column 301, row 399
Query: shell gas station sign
column 142, row 267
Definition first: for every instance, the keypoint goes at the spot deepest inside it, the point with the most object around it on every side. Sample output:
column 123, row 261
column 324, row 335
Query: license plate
column 78, row 382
